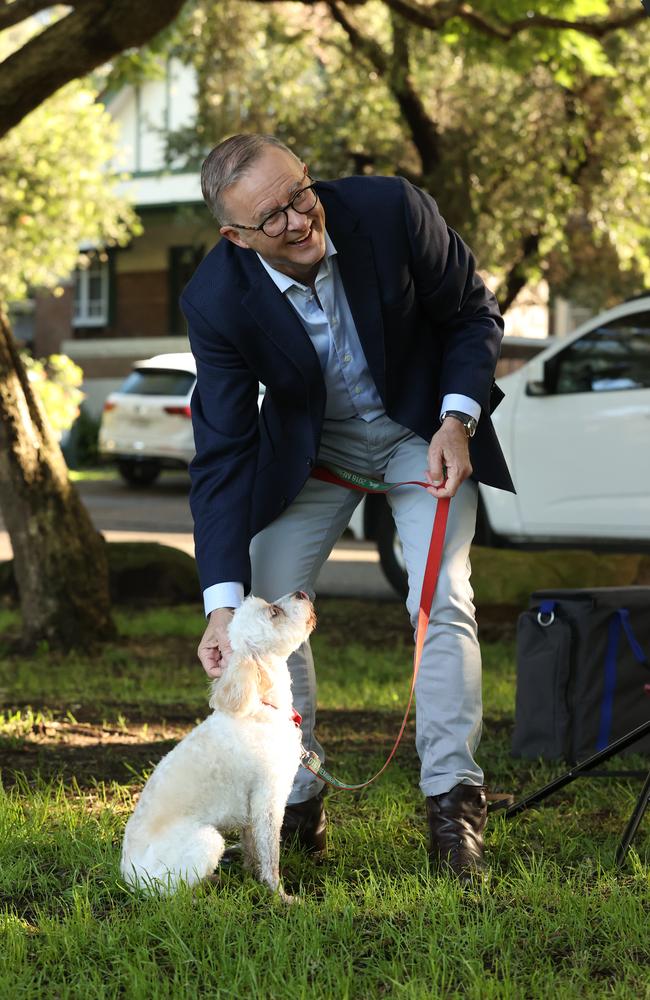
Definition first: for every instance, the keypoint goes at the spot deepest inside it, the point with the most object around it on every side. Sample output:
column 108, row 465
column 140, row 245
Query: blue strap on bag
column 620, row 621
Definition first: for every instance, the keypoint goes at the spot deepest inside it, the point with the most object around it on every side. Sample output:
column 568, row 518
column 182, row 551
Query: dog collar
column 295, row 716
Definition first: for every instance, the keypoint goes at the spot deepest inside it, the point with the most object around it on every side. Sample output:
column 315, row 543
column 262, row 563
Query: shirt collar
column 283, row 281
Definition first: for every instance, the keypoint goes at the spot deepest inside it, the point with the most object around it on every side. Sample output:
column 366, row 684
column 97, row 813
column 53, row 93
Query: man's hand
column 214, row 648
column 449, row 447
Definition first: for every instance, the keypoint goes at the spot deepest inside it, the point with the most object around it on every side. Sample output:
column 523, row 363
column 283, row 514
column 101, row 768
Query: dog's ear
column 235, row 692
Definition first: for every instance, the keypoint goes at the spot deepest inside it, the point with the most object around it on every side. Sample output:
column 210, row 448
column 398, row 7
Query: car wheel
column 389, row 547
column 139, row 473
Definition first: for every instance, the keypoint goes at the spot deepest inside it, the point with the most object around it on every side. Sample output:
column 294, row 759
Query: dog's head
column 262, row 636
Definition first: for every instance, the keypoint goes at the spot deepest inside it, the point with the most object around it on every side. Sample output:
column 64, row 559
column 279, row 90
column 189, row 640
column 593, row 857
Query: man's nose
column 297, row 220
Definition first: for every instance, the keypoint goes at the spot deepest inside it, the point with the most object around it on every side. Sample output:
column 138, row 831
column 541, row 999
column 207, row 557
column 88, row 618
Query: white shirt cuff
column 456, row 401
column 222, row 595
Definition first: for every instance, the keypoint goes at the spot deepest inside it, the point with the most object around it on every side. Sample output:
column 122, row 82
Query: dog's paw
column 288, row 899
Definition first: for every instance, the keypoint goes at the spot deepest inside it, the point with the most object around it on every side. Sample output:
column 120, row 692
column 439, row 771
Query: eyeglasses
column 275, row 224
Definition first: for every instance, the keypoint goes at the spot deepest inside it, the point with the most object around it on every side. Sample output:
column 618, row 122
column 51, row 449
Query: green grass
column 555, row 918
column 98, row 475
column 109, row 473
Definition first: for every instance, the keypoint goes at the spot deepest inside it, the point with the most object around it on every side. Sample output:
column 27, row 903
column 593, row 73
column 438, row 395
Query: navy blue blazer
column 427, row 324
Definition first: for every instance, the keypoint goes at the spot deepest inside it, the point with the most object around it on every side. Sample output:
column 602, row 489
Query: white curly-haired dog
column 235, row 770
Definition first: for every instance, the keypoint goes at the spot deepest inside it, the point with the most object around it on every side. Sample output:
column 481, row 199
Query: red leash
column 352, row 480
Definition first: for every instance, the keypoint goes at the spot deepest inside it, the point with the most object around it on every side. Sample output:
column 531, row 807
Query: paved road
column 160, row 513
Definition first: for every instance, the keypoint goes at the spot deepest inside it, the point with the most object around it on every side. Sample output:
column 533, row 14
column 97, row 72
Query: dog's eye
column 274, row 611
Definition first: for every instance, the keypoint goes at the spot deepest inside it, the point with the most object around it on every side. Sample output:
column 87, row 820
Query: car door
column 582, row 437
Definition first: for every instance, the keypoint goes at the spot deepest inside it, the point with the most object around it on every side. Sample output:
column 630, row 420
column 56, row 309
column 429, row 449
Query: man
column 362, row 314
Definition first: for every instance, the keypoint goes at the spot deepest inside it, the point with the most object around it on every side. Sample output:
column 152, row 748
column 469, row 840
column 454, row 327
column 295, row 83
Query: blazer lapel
column 274, row 315
column 271, row 311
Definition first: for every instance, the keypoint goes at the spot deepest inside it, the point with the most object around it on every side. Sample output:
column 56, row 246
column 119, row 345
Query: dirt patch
column 86, row 753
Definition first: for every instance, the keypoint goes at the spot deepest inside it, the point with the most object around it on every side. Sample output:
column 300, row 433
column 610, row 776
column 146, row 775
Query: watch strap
column 468, row 422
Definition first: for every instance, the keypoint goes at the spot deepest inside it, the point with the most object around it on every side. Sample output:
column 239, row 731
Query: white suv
column 146, row 425
column 575, row 430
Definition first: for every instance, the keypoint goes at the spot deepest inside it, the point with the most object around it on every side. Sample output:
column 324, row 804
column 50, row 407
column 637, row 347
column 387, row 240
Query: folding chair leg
column 633, row 824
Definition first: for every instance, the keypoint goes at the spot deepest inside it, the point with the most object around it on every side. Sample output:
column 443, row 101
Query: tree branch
column 434, row 16
column 395, row 69
column 90, row 35
column 424, row 133
column 366, row 46
column 517, row 278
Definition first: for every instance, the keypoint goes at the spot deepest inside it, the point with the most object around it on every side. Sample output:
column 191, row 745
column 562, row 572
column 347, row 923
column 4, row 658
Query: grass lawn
column 78, row 735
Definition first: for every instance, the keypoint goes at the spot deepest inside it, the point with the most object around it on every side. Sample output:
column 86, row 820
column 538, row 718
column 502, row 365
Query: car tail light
column 109, row 406
column 179, row 411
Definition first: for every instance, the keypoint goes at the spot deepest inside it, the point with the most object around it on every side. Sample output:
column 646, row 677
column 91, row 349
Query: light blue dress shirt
column 325, row 314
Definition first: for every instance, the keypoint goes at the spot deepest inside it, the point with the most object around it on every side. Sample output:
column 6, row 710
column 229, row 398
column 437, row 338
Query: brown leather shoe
column 305, row 826
column 456, row 823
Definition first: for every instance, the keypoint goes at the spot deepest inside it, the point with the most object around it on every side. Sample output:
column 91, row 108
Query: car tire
column 390, row 551
column 139, row 473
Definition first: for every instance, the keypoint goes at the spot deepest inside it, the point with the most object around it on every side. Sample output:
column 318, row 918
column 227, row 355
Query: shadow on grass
column 89, row 752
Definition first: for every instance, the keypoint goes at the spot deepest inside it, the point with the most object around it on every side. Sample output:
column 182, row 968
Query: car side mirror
column 547, row 385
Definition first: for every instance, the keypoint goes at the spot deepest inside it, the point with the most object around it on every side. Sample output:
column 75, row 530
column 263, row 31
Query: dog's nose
column 301, row 595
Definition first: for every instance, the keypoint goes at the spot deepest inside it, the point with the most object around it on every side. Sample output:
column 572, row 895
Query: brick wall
column 52, row 321
column 141, row 305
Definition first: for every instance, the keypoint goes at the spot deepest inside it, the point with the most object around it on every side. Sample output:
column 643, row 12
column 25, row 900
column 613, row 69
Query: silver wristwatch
column 469, row 423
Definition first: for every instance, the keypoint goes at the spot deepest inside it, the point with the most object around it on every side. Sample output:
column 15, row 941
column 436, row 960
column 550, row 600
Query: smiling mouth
column 299, row 243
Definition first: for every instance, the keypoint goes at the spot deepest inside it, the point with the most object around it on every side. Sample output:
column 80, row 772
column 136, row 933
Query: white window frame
column 81, row 315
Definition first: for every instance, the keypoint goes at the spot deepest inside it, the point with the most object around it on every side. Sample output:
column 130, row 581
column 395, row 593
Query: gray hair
column 229, row 161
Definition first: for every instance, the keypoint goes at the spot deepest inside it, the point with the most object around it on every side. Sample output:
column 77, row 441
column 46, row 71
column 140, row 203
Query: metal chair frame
column 577, row 771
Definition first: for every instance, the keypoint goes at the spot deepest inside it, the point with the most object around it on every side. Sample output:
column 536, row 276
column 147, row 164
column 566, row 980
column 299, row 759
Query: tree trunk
column 517, row 276
column 59, row 558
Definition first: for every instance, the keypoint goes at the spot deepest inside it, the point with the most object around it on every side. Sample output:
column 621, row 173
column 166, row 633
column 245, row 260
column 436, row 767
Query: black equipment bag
column 583, row 678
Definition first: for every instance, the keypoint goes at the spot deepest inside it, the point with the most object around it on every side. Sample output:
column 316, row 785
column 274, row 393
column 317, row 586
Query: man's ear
column 236, row 691
column 232, row 234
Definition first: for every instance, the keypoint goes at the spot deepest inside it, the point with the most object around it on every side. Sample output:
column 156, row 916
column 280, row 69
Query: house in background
column 124, row 305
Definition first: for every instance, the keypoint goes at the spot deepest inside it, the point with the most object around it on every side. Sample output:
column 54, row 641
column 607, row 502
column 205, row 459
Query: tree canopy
column 55, row 194
column 535, row 144
column 528, row 126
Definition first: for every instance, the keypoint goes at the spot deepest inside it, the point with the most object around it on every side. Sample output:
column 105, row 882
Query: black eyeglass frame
column 284, row 210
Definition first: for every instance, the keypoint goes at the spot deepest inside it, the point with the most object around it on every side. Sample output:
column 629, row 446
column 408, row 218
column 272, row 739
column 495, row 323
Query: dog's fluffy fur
column 235, row 770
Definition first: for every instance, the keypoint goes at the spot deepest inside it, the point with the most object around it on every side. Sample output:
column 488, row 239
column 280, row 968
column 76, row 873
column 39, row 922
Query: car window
column 154, row 382
column 613, row 356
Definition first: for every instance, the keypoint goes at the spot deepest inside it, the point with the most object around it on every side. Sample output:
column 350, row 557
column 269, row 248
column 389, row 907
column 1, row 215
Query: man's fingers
column 435, row 472
column 452, row 483
column 214, row 672
column 211, row 661
column 214, row 648
column 456, row 475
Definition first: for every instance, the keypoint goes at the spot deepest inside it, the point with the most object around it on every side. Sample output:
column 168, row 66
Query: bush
column 81, row 445
column 55, row 381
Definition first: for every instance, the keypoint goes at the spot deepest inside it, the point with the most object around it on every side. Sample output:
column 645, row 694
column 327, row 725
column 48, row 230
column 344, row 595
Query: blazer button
column 310, row 462
column 283, row 503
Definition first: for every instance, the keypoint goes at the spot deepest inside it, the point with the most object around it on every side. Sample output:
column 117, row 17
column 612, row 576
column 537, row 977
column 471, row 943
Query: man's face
column 269, row 184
